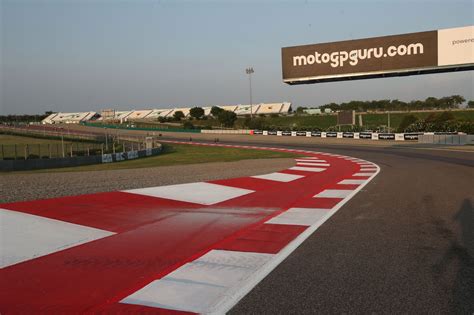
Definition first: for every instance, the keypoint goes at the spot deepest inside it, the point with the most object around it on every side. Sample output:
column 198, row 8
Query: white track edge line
column 236, row 295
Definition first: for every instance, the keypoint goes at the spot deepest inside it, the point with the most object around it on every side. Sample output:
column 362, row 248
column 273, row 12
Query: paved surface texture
column 196, row 247
column 405, row 244
column 20, row 187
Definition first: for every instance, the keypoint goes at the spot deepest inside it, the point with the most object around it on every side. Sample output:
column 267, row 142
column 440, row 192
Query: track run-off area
column 196, row 247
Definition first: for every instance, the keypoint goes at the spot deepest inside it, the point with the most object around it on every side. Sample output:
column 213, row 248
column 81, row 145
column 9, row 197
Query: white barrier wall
column 240, row 131
column 427, row 137
column 446, row 139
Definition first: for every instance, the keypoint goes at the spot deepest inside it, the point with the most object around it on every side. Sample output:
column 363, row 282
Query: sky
column 81, row 55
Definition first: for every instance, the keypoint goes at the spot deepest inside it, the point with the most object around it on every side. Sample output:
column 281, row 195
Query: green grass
column 9, row 140
column 374, row 120
column 322, row 122
column 178, row 154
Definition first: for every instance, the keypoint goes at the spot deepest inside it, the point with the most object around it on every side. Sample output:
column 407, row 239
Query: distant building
column 153, row 114
column 70, row 118
column 312, row 111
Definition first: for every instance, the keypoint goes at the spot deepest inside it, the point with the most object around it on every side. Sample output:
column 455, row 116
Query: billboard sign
column 346, row 117
column 414, row 53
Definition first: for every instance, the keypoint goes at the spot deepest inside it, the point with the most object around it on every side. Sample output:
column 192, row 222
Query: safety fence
column 60, row 143
column 34, row 164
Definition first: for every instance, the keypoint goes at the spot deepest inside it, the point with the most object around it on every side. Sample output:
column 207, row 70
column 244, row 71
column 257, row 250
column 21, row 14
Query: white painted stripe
column 200, row 193
column 299, row 216
column 236, row 293
column 363, row 174
column 367, row 170
column 236, row 258
column 310, row 161
column 176, row 295
column 333, row 193
column 313, row 164
column 306, row 169
column 234, row 296
column 198, row 286
column 279, row 177
column 352, row 182
column 26, row 236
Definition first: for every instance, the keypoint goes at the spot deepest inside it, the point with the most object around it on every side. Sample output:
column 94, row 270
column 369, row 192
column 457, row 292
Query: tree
column 256, row 123
column 457, row 100
column 444, row 116
column 227, row 118
column 196, row 112
column 407, row 121
column 178, row 115
column 188, row 125
column 300, row 110
column 470, row 104
column 215, row 111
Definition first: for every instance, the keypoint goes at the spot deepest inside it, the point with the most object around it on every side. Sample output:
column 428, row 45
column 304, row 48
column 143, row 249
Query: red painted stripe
column 107, row 270
column 264, row 238
column 155, row 236
column 111, row 211
column 322, row 203
column 121, row 308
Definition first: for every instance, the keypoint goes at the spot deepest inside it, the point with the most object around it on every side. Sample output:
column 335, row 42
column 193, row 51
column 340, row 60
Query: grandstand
column 184, row 110
column 139, row 114
column 286, row 108
column 207, row 110
column 271, row 108
column 70, row 118
column 246, row 109
column 153, row 114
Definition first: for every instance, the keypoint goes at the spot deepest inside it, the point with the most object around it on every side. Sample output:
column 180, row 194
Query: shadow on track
column 460, row 253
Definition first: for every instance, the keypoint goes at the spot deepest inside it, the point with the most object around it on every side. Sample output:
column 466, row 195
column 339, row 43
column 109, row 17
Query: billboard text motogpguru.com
column 339, row 58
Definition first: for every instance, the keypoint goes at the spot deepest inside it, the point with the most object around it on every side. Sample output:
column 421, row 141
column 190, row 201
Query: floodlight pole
column 249, row 71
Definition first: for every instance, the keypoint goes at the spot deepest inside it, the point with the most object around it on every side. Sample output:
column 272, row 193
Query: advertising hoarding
column 414, row 53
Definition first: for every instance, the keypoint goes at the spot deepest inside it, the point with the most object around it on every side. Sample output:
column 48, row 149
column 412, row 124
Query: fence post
column 88, row 151
column 71, row 148
column 102, row 148
column 26, row 152
column 62, row 145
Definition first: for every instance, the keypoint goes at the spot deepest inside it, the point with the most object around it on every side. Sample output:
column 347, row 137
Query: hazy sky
column 77, row 55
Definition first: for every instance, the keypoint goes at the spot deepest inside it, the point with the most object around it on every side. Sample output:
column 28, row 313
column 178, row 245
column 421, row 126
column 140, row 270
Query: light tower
column 249, row 71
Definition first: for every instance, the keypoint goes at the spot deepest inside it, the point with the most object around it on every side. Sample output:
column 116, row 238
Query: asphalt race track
column 404, row 243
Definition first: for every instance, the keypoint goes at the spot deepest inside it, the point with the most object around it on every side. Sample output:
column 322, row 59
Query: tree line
column 447, row 102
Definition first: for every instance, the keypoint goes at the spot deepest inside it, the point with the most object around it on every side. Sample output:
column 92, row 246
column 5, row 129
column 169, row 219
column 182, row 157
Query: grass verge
column 177, row 154
column 10, row 140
